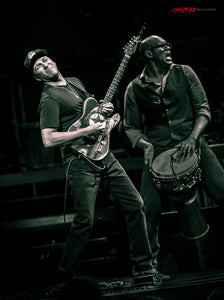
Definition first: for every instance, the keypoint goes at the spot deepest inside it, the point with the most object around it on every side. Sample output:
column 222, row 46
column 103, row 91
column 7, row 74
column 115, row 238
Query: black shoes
column 63, row 277
column 149, row 276
column 161, row 277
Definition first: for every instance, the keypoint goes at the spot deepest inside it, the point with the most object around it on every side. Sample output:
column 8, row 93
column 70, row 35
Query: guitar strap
column 79, row 87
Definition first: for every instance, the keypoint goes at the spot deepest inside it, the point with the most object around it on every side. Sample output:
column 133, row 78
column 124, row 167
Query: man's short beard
column 54, row 78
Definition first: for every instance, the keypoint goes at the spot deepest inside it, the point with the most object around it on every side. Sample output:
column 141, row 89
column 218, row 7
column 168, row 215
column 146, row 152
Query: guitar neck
column 117, row 78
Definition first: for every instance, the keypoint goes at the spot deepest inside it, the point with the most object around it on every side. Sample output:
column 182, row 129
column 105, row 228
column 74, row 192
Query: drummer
column 165, row 107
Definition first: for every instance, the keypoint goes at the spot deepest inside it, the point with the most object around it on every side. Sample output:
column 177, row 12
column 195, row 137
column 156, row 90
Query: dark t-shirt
column 61, row 106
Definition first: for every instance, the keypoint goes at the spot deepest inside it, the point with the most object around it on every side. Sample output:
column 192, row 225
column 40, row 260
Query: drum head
column 168, row 164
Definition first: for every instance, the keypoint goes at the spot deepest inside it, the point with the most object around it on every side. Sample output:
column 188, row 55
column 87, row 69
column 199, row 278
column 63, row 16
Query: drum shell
column 192, row 220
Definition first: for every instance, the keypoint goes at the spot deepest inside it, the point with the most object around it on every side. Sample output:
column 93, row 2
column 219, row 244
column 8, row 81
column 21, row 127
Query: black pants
column 85, row 181
column 212, row 182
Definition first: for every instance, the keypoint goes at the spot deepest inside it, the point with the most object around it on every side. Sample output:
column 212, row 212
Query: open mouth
column 168, row 57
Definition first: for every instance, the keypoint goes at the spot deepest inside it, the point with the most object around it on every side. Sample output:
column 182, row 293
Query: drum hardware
column 180, row 185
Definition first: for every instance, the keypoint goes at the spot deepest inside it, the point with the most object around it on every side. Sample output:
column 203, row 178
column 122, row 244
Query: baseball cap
column 32, row 56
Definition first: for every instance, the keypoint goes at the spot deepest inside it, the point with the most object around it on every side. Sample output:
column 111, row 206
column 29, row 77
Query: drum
column 178, row 176
column 192, row 220
column 174, row 174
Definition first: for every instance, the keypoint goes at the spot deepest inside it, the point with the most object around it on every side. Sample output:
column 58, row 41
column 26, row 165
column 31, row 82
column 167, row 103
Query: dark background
column 86, row 38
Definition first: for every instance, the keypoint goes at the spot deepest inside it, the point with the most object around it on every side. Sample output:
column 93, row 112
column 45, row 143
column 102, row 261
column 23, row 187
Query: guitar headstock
column 131, row 47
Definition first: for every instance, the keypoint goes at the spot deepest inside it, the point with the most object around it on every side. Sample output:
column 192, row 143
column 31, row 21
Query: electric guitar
column 96, row 147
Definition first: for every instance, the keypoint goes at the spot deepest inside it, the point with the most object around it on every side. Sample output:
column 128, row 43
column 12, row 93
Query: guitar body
column 90, row 107
column 93, row 147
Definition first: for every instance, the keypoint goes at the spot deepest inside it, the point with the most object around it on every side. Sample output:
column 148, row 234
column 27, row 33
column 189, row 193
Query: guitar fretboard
column 117, row 78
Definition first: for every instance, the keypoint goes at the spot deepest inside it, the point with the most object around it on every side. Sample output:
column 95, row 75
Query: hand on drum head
column 187, row 147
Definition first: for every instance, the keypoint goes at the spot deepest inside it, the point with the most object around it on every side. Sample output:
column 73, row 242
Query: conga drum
column 174, row 174
column 178, row 177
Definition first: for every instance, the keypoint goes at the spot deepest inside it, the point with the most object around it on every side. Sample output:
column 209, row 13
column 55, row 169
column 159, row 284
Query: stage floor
column 184, row 286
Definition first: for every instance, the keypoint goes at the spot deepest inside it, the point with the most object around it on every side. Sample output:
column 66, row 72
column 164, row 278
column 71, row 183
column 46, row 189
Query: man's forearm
column 201, row 123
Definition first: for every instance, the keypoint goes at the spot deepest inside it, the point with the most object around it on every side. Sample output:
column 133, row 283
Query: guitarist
column 61, row 104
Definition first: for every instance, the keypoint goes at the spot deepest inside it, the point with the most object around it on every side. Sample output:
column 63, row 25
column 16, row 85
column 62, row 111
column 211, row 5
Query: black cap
column 32, row 56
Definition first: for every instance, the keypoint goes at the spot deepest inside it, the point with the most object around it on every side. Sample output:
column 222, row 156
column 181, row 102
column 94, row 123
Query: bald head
column 156, row 50
column 150, row 42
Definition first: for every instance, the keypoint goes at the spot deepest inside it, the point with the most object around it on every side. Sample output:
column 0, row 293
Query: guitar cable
column 66, row 190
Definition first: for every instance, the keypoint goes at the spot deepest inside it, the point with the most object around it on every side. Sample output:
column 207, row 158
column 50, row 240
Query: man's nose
column 45, row 64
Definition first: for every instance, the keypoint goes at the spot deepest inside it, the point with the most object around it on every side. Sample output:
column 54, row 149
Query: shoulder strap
column 79, row 86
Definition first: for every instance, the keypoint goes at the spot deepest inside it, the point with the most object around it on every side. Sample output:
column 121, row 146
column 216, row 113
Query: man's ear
column 148, row 54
